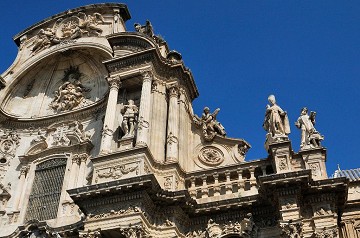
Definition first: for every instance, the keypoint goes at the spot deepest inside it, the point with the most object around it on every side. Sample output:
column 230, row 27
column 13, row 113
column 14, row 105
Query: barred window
column 46, row 190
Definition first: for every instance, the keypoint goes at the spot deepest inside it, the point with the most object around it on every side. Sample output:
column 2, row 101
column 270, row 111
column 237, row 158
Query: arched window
column 46, row 190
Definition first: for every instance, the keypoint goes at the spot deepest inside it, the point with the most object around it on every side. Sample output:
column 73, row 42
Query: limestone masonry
column 98, row 138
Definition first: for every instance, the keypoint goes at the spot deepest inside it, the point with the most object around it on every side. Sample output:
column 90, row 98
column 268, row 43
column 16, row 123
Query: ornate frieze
column 243, row 228
column 130, row 210
column 116, row 171
column 58, row 135
column 9, row 142
column 326, row 233
column 67, row 30
column 291, row 229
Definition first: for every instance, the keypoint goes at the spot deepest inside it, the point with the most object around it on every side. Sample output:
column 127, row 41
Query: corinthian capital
column 173, row 91
column 114, row 82
column 147, row 75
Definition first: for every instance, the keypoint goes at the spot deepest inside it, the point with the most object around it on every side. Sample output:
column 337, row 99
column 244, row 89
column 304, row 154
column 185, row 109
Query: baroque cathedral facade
column 98, row 138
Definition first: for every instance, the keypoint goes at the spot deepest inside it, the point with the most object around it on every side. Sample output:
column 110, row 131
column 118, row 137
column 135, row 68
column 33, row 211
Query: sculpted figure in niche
column 71, row 93
column 210, row 126
column 310, row 138
column 130, row 118
column 276, row 121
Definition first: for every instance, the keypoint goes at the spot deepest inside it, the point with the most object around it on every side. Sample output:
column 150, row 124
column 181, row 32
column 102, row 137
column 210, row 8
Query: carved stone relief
column 71, row 93
column 61, row 134
column 282, row 163
column 291, row 229
column 68, row 29
column 326, row 233
column 315, row 169
column 244, row 228
column 211, row 156
column 117, row 171
column 9, row 141
column 210, row 126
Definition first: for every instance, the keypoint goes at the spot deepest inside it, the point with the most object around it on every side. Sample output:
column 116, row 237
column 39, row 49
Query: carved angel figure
column 310, row 138
column 147, row 29
column 88, row 23
column 45, row 38
column 210, row 126
column 130, row 117
column 276, row 121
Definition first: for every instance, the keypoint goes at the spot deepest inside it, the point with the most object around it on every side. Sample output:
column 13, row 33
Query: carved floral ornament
column 60, row 134
column 9, row 141
column 244, row 228
column 211, row 155
column 291, row 230
column 68, row 29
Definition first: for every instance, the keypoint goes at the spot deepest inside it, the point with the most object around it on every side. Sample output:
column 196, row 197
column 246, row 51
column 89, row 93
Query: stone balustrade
column 234, row 181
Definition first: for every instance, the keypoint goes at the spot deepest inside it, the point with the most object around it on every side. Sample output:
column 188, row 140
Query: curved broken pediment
column 58, row 84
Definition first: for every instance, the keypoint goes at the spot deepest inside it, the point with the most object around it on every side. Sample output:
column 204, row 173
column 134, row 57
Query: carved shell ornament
column 211, row 155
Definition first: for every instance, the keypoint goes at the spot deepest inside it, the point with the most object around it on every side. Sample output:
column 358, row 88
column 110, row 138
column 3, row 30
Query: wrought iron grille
column 46, row 190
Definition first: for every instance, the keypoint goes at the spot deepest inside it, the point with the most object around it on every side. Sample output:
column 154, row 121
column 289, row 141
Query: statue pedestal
column 125, row 143
column 281, row 155
column 315, row 159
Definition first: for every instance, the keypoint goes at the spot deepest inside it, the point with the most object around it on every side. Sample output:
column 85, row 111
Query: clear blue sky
column 305, row 52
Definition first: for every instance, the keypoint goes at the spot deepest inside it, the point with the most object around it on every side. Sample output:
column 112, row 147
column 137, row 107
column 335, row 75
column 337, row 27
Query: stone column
column 109, row 121
column 23, row 173
column 82, row 170
column 172, row 141
column 144, row 111
column 158, row 122
column 184, row 125
column 74, row 171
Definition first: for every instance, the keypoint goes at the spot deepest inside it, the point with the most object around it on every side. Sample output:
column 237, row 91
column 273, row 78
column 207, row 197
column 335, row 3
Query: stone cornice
column 102, row 7
column 138, row 150
column 163, row 67
column 227, row 204
column 130, row 187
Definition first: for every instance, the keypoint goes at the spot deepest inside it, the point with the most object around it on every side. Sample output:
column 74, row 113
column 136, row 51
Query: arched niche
column 60, row 83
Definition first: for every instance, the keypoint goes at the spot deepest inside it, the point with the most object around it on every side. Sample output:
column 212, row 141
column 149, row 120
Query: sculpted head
column 272, row 99
column 206, row 110
column 131, row 102
column 304, row 111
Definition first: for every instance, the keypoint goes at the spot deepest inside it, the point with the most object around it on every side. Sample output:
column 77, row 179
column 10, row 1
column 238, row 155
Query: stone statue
column 130, row 118
column 147, row 29
column 210, row 126
column 276, row 121
column 45, row 38
column 310, row 138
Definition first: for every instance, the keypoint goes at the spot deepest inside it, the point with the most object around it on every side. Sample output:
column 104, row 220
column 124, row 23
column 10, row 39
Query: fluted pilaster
column 109, row 122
